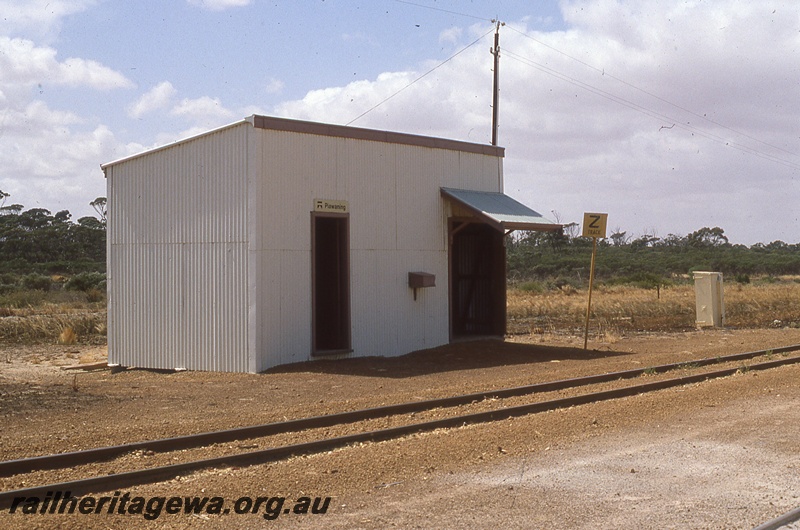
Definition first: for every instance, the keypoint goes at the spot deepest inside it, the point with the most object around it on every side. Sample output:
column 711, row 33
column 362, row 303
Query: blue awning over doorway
column 499, row 210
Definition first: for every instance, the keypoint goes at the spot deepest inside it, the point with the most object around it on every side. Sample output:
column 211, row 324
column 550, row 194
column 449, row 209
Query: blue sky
column 670, row 116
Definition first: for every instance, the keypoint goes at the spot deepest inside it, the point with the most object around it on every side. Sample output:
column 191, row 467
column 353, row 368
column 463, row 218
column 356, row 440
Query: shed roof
column 357, row 133
column 500, row 210
column 338, row 131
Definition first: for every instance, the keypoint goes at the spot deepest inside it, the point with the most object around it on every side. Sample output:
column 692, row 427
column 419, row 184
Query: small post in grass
column 594, row 226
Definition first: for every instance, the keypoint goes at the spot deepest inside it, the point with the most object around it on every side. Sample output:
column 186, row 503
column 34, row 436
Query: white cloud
column 577, row 137
column 83, row 72
column 39, row 17
column 607, row 150
column 204, row 112
column 156, row 98
column 50, row 157
column 451, row 35
column 344, row 104
column 582, row 110
column 48, row 163
column 24, row 64
column 219, row 5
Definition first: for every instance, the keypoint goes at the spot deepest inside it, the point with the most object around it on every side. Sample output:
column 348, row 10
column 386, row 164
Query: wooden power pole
column 496, row 85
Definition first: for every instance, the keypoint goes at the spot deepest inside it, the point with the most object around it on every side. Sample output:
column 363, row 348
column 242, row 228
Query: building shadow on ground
column 478, row 354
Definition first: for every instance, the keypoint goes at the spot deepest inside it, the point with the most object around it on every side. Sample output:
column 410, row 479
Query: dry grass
column 614, row 310
column 67, row 336
column 54, row 323
column 620, row 308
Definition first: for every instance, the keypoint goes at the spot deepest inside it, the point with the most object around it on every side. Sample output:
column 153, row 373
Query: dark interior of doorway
column 331, row 284
column 478, row 275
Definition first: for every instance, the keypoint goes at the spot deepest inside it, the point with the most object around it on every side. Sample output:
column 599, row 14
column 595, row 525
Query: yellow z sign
column 594, row 224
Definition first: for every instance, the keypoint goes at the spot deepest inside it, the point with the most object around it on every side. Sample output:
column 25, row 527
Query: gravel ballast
column 719, row 454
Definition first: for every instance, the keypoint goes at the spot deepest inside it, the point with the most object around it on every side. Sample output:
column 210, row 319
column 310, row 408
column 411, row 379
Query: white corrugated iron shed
column 273, row 241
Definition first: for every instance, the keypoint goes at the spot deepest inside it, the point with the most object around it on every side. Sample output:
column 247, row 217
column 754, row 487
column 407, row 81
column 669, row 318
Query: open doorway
column 477, row 226
column 478, row 280
column 330, row 276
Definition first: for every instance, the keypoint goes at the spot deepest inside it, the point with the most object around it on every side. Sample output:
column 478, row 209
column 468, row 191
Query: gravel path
column 720, row 454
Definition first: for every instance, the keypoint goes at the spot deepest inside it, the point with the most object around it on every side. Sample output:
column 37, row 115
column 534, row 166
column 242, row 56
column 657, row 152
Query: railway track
column 503, row 404
column 786, row 521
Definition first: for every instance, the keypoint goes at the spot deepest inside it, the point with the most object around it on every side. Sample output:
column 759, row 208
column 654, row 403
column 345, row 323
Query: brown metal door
column 330, row 256
column 477, row 273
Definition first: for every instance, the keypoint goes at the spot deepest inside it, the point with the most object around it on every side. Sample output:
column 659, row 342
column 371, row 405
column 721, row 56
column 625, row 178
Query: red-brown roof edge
column 343, row 131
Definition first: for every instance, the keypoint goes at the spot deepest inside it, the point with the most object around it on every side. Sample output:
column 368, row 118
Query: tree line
column 38, row 241
column 646, row 259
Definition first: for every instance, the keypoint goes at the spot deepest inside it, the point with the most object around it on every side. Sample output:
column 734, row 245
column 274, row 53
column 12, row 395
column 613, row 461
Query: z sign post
column 594, row 226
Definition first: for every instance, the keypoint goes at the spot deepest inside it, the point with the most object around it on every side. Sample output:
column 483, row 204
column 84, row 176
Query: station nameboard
column 331, row 206
column 594, row 224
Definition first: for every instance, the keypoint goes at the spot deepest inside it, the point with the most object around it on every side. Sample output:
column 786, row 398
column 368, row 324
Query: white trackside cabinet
column 710, row 302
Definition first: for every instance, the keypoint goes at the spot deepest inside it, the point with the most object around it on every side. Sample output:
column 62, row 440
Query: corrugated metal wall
column 210, row 245
column 177, row 266
column 398, row 224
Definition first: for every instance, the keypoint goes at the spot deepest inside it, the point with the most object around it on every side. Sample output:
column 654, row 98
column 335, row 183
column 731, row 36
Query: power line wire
column 617, row 99
column 459, row 52
column 655, row 96
column 649, row 112
column 440, row 9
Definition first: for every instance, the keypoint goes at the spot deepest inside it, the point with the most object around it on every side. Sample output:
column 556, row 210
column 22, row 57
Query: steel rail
column 780, row 521
column 73, row 458
column 133, row 478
